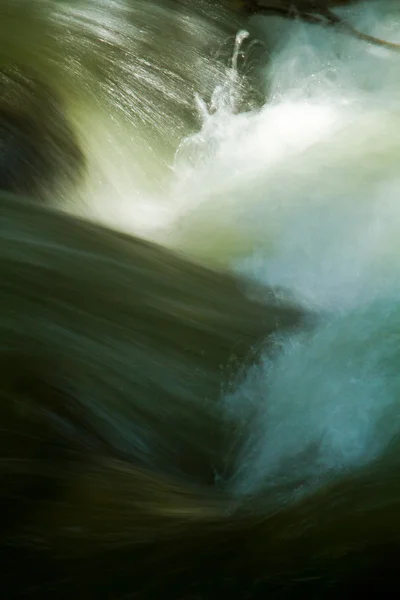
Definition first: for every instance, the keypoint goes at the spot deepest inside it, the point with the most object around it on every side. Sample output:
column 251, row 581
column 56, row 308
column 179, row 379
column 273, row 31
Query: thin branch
column 312, row 11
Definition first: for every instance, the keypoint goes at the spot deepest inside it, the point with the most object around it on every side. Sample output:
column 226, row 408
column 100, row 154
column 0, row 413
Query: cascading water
column 215, row 414
column 301, row 194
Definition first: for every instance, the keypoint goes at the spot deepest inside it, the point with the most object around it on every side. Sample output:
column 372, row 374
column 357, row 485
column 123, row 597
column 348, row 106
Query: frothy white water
column 313, row 181
column 304, row 194
column 327, row 404
column 305, row 191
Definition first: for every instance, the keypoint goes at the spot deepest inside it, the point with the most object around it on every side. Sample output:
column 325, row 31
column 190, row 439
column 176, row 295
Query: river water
column 296, row 185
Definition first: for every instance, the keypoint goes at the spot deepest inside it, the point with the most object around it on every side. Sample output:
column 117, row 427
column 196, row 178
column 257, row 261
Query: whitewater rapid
column 302, row 194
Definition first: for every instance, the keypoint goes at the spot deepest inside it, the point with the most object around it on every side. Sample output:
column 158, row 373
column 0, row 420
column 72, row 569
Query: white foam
column 309, row 190
column 304, row 193
column 329, row 403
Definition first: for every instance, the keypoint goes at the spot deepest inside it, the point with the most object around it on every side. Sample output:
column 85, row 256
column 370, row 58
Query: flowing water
column 300, row 191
